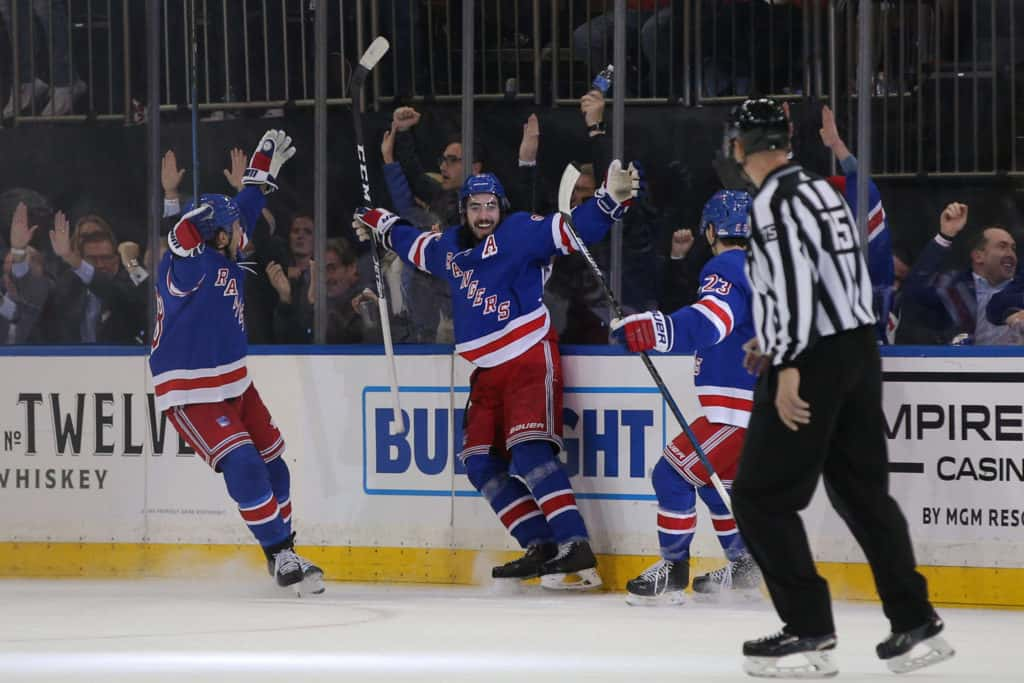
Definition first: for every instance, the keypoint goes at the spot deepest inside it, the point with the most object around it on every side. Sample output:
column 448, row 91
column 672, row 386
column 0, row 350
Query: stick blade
column 378, row 48
column 565, row 188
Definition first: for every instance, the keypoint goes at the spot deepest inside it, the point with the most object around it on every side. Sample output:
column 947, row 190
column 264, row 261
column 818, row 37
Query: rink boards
column 94, row 482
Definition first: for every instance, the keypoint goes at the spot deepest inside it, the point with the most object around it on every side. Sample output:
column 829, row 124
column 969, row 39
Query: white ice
column 246, row 630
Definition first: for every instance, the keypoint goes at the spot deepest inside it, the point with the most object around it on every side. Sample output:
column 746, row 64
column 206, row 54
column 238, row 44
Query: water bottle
column 603, row 80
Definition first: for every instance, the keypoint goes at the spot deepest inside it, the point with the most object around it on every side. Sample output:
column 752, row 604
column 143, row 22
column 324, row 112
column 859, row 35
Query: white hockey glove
column 274, row 149
column 374, row 221
column 651, row 331
column 621, row 186
column 189, row 234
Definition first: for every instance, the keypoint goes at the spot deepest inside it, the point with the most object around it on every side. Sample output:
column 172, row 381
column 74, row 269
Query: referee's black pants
column 841, row 378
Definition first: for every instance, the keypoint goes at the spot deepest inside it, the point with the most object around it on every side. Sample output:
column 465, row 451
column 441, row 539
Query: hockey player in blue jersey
column 714, row 329
column 198, row 361
column 495, row 265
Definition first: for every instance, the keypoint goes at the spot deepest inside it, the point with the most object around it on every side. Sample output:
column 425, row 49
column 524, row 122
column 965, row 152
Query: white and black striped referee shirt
column 805, row 264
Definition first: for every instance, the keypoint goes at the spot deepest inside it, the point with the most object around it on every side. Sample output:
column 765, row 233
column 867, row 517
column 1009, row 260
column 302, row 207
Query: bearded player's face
column 482, row 214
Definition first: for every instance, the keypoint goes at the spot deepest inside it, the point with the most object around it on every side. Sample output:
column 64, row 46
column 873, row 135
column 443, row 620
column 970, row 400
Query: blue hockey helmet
column 225, row 210
column 482, row 183
column 728, row 211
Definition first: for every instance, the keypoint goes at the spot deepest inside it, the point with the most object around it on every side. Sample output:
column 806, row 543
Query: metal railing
column 945, row 72
column 945, row 84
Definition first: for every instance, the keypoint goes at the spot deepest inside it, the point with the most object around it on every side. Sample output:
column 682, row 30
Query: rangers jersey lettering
column 497, row 287
column 199, row 342
column 715, row 329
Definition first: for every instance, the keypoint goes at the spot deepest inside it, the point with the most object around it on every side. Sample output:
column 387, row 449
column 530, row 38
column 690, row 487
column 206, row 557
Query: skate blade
column 938, row 651
column 666, row 599
column 816, row 665
column 733, row 596
column 584, row 579
column 311, row 585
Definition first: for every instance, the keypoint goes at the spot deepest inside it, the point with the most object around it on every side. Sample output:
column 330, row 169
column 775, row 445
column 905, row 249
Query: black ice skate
column 529, row 565
column 293, row 571
column 663, row 583
column 764, row 654
column 896, row 649
column 312, row 577
column 573, row 568
column 740, row 578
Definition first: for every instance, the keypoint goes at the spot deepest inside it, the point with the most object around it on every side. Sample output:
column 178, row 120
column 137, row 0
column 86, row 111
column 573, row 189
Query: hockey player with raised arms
column 494, row 264
column 198, row 361
column 714, row 329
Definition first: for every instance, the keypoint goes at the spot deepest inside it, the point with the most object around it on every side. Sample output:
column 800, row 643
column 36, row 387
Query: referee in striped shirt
column 817, row 403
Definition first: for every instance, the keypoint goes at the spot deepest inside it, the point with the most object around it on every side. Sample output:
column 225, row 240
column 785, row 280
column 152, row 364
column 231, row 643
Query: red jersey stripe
column 513, row 335
column 719, row 312
column 200, row 382
column 726, row 402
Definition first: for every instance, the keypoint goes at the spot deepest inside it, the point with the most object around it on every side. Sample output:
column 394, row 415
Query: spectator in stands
column 957, row 301
column 96, row 300
column 170, row 181
column 345, row 324
column 63, row 85
column 1006, row 307
column 751, row 46
column 592, row 41
column 880, row 260
column 572, row 278
column 441, row 196
column 680, row 273
column 293, row 313
column 291, row 278
column 24, row 287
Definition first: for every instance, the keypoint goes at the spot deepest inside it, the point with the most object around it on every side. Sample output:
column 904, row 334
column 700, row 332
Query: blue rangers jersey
column 715, row 329
column 199, row 342
column 498, row 285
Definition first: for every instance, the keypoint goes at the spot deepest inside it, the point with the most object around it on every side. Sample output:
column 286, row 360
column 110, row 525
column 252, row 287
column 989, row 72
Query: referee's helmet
column 761, row 124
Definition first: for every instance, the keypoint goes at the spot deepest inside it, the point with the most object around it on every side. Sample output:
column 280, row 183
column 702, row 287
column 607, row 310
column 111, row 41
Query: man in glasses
column 495, row 267
column 438, row 189
column 95, row 300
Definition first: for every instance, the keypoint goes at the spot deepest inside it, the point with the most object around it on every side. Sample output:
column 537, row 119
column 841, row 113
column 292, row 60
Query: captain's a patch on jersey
column 490, row 247
column 536, row 217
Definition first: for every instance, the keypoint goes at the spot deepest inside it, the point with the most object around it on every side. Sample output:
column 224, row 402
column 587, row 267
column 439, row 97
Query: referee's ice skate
column 811, row 656
column 663, row 583
column 897, row 650
column 740, row 578
column 573, row 568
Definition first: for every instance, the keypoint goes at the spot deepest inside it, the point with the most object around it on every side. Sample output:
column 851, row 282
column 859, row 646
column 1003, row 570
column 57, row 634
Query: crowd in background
column 94, row 287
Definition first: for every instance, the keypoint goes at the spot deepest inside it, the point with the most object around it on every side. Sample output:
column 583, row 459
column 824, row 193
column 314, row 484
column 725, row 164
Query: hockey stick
column 378, row 48
column 194, row 86
column 565, row 189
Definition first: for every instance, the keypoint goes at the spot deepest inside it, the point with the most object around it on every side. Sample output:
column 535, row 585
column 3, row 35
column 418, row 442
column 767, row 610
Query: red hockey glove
column 274, row 149
column 190, row 233
column 379, row 222
column 644, row 332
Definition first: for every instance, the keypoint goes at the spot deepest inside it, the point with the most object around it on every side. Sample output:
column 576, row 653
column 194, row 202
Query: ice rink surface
column 247, row 630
